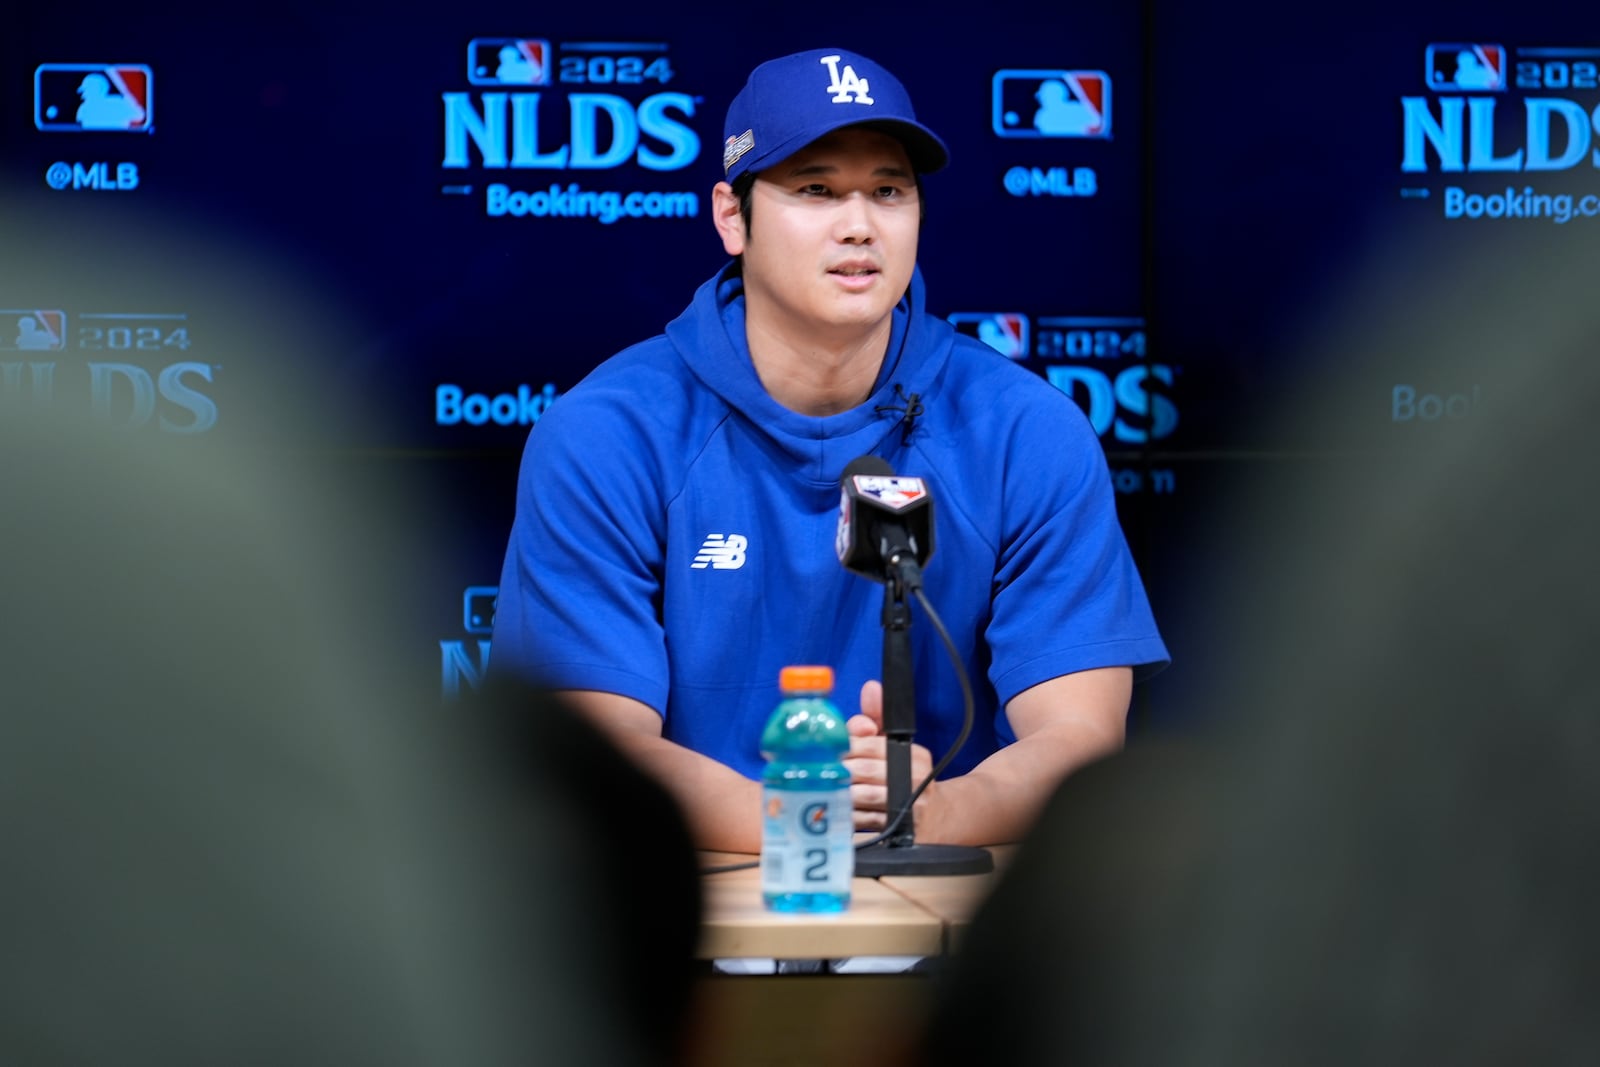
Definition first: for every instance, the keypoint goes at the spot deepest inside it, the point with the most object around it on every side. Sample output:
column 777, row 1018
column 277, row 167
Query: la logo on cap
column 847, row 85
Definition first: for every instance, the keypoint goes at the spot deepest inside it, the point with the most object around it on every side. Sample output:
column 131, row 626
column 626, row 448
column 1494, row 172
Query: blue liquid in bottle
column 807, row 841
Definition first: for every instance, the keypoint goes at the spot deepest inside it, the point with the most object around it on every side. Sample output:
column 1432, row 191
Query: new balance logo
column 846, row 86
column 722, row 552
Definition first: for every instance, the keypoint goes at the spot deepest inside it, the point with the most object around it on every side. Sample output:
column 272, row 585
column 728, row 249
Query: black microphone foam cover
column 867, row 464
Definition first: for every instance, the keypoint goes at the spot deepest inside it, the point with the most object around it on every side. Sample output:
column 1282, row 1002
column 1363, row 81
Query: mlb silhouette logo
column 1052, row 103
column 477, row 608
column 29, row 330
column 1470, row 67
column 78, row 97
column 508, row 61
column 1004, row 331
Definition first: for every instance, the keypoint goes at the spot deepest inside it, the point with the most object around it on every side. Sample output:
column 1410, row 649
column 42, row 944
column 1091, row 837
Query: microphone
column 886, row 534
column 885, row 528
column 909, row 413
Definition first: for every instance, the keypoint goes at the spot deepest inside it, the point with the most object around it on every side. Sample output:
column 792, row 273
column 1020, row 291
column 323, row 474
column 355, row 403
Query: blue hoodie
column 674, row 535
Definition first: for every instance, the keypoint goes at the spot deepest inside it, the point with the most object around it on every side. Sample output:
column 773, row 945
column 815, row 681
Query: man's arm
column 1060, row 724
column 722, row 806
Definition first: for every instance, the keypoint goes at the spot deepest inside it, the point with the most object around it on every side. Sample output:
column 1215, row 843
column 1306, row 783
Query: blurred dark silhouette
column 639, row 865
column 1387, row 848
column 238, row 825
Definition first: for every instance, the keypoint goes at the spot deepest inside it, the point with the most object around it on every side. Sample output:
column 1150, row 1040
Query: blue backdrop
column 1218, row 233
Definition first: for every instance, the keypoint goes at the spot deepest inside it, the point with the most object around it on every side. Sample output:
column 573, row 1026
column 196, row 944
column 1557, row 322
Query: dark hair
column 741, row 188
column 744, row 183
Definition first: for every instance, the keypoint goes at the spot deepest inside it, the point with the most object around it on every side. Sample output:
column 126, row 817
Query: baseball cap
column 789, row 102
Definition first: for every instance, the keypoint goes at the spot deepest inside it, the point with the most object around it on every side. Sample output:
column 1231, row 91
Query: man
column 673, row 543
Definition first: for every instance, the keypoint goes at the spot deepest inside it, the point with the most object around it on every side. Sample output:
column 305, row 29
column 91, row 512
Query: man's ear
column 728, row 218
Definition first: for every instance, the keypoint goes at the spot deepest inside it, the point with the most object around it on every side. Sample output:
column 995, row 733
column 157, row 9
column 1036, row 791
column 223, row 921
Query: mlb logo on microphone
column 1466, row 67
column 508, row 61
column 94, row 97
column 1052, row 103
column 1004, row 331
column 891, row 491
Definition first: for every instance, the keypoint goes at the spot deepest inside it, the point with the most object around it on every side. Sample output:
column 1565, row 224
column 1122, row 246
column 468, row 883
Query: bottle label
column 807, row 841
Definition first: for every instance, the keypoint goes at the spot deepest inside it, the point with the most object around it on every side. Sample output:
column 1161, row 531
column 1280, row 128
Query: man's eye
column 814, row 190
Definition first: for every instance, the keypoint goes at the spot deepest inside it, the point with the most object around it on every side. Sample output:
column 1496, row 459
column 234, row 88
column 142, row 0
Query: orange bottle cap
column 806, row 679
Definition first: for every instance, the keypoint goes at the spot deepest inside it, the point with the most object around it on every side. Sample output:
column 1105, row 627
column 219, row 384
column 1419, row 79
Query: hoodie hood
column 710, row 338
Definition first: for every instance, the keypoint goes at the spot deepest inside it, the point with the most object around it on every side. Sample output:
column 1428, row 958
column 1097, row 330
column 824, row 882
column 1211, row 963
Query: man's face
column 833, row 236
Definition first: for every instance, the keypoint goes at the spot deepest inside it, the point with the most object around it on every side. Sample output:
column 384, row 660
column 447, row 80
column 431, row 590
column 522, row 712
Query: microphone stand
column 900, row 853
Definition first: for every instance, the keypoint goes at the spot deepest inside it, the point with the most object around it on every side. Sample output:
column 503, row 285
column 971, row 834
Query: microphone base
column 881, row 860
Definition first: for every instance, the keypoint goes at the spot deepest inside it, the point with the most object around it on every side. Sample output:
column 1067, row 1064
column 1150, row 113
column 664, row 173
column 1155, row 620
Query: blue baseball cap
column 792, row 101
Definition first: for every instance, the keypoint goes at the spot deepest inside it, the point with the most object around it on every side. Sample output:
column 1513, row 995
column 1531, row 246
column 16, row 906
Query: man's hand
column 868, row 766
column 1061, row 724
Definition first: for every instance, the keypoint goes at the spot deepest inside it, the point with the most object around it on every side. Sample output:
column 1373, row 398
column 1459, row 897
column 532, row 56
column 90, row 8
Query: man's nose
column 854, row 224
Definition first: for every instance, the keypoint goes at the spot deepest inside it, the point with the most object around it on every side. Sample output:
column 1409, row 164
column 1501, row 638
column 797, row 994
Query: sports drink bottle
column 807, row 839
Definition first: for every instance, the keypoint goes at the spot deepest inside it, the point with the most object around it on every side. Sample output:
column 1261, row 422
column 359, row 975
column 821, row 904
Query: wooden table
column 900, row 915
column 879, row 922
column 773, row 1019
column 953, row 898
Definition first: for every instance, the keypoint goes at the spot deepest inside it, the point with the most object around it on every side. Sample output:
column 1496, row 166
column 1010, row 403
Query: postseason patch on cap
column 736, row 147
